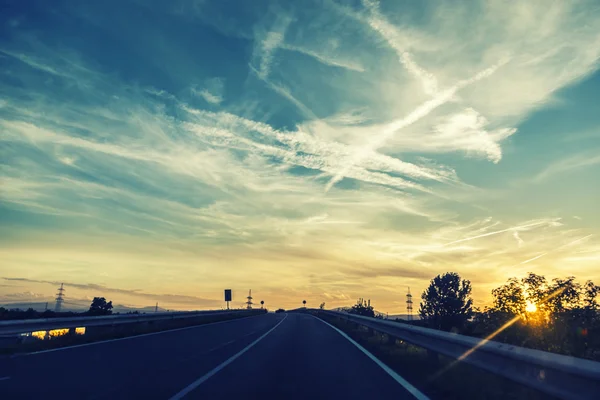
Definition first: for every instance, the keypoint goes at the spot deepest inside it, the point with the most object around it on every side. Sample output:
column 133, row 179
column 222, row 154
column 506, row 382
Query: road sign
column 228, row 297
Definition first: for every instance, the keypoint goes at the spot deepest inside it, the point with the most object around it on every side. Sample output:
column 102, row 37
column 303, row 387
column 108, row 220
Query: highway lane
column 152, row 366
column 279, row 356
column 303, row 358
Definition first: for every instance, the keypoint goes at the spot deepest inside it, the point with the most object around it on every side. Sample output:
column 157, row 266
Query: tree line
column 560, row 315
column 99, row 306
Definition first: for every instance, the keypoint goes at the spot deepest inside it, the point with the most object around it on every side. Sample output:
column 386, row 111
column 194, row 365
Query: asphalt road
column 273, row 356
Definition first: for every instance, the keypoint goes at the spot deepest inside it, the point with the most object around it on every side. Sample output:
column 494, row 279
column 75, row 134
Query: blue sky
column 327, row 150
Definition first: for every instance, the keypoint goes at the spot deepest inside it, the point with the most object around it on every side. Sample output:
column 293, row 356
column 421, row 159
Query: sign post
column 227, row 297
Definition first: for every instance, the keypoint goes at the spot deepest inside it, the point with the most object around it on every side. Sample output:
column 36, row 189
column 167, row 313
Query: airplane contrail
column 532, row 259
column 418, row 113
column 552, row 251
column 497, row 232
column 575, row 241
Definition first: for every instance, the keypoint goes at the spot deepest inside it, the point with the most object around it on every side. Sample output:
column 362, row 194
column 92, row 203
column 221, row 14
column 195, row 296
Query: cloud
column 267, row 43
column 372, row 271
column 546, row 222
column 520, row 241
column 399, row 41
column 569, row 244
column 324, row 59
column 212, row 91
column 100, row 290
column 418, row 113
column 153, row 172
column 576, row 162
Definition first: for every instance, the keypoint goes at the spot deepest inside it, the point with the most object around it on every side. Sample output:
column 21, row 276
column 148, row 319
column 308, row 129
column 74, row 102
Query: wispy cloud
column 325, row 59
column 400, row 42
column 572, row 163
column 518, row 238
column 212, row 166
column 212, row 91
column 572, row 243
column 101, row 290
column 420, row 112
column 268, row 43
column 547, row 222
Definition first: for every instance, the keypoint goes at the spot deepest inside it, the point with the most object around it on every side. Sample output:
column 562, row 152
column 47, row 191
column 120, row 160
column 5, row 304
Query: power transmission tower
column 60, row 298
column 409, row 305
column 249, row 302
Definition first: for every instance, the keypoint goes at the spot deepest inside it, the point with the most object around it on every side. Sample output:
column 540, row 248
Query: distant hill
column 124, row 309
column 78, row 307
column 384, row 315
column 404, row 316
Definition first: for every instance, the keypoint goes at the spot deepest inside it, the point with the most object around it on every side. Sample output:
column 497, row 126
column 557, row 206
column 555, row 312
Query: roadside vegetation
column 559, row 316
column 99, row 306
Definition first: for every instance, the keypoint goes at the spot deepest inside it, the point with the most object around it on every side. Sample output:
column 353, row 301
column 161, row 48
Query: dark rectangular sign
column 227, row 294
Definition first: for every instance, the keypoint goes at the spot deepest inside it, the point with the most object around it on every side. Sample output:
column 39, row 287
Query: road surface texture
column 272, row 356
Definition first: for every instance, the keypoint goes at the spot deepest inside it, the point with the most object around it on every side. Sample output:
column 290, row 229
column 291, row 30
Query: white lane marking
column 133, row 337
column 4, row 378
column 231, row 359
column 405, row 384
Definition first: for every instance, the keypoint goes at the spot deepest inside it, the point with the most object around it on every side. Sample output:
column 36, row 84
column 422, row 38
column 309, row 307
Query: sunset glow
column 530, row 307
column 321, row 150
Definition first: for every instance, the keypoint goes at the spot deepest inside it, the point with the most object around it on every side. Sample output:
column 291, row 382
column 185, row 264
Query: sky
column 325, row 150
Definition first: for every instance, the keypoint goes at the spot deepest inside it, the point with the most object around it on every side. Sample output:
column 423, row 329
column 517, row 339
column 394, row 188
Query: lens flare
column 530, row 307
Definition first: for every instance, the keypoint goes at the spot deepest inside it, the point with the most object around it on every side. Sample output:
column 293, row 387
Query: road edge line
column 182, row 393
column 130, row 337
column 403, row 382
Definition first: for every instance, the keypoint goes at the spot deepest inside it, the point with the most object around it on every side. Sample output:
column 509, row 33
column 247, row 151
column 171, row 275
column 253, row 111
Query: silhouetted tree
column 590, row 292
column 563, row 294
column 509, row 298
column 99, row 306
column 535, row 288
column 362, row 308
column 447, row 302
column 322, row 306
column 566, row 320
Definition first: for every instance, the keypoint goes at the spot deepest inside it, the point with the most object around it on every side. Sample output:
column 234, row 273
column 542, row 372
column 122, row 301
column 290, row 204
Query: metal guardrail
column 15, row 327
column 554, row 374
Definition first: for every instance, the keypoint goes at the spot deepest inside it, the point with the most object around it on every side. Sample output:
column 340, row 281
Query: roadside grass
column 458, row 381
column 95, row 334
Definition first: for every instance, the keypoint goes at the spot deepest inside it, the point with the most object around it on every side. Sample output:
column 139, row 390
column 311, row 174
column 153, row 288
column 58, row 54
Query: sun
column 530, row 307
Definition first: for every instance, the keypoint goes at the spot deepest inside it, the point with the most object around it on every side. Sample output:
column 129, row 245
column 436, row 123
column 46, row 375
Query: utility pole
column 156, row 308
column 46, row 309
column 60, row 297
